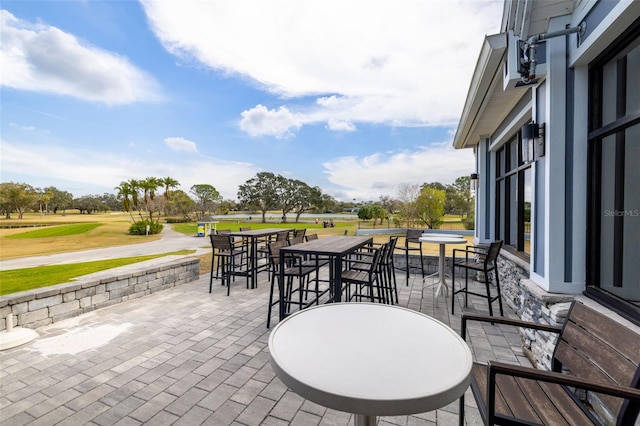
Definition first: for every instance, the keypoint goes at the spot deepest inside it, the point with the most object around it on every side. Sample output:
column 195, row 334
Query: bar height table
column 370, row 359
column 254, row 237
column 335, row 247
column 442, row 240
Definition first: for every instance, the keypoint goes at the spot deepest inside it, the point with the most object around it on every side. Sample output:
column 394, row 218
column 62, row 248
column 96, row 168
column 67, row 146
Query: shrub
column 178, row 220
column 469, row 223
column 140, row 228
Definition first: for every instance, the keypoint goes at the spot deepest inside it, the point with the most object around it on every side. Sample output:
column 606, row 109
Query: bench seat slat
column 479, row 386
column 603, row 356
column 609, row 331
column 595, row 349
column 533, row 402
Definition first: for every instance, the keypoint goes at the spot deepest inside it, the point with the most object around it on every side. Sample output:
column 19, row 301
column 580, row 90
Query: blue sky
column 358, row 97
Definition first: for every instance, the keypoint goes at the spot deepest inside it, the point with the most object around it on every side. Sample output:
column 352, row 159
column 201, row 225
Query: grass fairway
column 16, row 280
column 68, row 233
column 57, row 231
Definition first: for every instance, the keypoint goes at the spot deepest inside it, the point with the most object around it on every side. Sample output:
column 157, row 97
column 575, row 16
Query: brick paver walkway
column 187, row 357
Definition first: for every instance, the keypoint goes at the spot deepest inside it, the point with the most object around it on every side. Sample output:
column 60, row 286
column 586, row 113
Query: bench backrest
column 595, row 347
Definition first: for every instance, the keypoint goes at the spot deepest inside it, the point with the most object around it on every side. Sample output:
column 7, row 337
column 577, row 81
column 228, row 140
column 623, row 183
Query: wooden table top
column 332, row 245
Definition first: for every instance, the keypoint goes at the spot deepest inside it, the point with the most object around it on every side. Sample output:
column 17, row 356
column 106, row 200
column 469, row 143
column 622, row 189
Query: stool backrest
column 299, row 238
column 274, row 250
column 282, row 236
column 221, row 242
column 413, row 235
column 492, row 252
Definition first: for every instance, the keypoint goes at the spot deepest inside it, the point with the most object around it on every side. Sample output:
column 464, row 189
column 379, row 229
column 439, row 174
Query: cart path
column 170, row 241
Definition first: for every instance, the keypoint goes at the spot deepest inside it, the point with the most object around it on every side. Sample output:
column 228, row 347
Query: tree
column 377, row 212
column 128, row 194
column 169, row 184
column 206, row 197
column 43, row 198
column 365, row 213
column 60, row 200
column 326, row 203
column 309, row 198
column 388, row 203
column 142, row 196
column 261, row 193
column 464, row 198
column 109, row 202
column 225, row 206
column 407, row 208
column 16, row 197
column 88, row 204
column 149, row 187
column 179, row 203
column 288, row 194
column 430, row 206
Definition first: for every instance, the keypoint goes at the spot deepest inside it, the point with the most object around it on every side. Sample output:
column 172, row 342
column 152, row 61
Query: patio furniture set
column 344, row 355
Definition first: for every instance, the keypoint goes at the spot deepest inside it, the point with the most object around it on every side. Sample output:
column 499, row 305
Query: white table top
column 371, row 359
column 442, row 239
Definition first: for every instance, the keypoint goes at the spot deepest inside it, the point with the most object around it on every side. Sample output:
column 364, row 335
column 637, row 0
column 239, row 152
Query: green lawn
column 192, row 227
column 16, row 280
column 57, row 231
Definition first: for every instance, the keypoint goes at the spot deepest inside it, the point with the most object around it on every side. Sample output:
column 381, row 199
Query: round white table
column 442, row 240
column 370, row 359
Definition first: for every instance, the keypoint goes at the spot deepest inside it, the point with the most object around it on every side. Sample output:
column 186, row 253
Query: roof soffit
column 487, row 104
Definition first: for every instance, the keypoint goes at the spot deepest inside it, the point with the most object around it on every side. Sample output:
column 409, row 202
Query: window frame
column 505, row 171
column 597, row 132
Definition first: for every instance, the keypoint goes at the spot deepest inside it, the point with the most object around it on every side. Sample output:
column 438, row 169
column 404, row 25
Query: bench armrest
column 496, row 367
column 507, row 321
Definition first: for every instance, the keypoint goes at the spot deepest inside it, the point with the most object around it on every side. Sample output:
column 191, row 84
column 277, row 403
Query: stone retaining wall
column 36, row 308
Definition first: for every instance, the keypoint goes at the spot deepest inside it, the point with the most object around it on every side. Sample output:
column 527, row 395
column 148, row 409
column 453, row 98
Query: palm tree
column 149, row 187
column 135, row 196
column 125, row 191
column 169, row 183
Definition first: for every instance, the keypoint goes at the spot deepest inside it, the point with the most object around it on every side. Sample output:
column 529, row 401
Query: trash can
column 201, row 230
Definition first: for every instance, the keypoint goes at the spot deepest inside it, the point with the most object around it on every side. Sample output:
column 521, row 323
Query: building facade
column 553, row 117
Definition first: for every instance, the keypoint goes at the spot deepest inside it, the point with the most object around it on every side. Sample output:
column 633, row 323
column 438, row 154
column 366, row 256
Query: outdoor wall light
column 473, row 182
column 532, row 142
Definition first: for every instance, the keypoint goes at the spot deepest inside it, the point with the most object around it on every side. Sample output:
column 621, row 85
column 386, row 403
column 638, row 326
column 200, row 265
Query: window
column 614, row 176
column 513, row 199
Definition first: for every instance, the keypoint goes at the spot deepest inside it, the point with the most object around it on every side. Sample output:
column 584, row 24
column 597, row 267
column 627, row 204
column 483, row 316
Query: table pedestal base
column 442, row 281
column 365, row 420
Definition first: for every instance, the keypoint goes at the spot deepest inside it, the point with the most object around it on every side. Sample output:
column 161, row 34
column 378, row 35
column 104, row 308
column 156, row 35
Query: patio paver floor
column 186, row 357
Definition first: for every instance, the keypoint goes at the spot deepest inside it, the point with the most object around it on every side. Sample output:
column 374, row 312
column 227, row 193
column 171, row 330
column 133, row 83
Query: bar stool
column 224, row 254
column 411, row 239
column 291, row 271
column 487, row 262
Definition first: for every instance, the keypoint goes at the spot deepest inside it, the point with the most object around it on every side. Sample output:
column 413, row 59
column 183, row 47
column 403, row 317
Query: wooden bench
column 593, row 353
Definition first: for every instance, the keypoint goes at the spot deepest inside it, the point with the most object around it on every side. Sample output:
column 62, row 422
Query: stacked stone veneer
column 430, row 263
column 532, row 303
column 526, row 298
column 44, row 306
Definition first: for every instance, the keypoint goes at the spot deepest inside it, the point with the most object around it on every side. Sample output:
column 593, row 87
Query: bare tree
column 408, row 209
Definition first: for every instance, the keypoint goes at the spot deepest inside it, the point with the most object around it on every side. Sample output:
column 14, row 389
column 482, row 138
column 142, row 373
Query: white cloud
column 41, row 58
column 181, row 144
column 367, row 178
column 259, row 121
column 340, row 125
column 400, row 63
column 40, row 164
